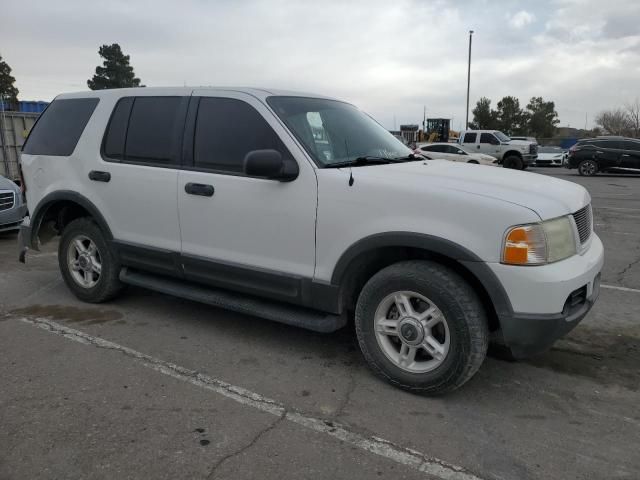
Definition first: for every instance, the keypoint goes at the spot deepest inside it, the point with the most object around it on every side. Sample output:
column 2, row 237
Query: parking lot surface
column 151, row 386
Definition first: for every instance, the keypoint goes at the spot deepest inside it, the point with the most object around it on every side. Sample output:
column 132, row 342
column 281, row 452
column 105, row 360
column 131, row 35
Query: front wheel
column 513, row 162
column 588, row 168
column 421, row 327
column 87, row 264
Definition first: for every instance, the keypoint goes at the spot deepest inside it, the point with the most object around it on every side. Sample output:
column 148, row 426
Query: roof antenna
column 351, row 180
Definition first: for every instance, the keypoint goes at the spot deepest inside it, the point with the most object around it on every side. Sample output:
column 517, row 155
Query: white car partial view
column 453, row 152
column 550, row 156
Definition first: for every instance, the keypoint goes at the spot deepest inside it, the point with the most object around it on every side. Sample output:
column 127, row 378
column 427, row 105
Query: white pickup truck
column 517, row 154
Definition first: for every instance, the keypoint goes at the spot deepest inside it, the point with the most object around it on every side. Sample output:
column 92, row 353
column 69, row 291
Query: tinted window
column 154, row 130
column 454, row 149
column 608, row 144
column 635, row 146
column 228, row 129
column 59, row 128
column 434, row 148
column 117, row 130
column 469, row 138
column 488, row 138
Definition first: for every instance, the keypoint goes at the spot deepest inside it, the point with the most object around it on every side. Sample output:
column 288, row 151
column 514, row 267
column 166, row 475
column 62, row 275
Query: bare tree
column 614, row 122
column 633, row 112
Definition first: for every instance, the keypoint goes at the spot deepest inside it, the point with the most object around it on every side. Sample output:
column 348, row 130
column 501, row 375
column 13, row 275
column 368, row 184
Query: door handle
column 97, row 176
column 478, row 147
column 626, row 155
column 199, row 189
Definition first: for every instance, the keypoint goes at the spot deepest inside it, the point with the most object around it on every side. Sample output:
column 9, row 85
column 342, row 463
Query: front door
column 630, row 154
column 239, row 232
column 489, row 144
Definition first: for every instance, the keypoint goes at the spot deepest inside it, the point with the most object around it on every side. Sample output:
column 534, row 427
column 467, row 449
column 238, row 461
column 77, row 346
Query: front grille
column 533, row 148
column 583, row 219
column 7, row 200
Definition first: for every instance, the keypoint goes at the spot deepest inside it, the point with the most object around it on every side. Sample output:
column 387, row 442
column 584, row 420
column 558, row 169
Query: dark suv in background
column 593, row 155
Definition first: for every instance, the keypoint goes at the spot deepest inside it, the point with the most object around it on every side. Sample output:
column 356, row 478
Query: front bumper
column 529, row 159
column 548, row 301
column 12, row 218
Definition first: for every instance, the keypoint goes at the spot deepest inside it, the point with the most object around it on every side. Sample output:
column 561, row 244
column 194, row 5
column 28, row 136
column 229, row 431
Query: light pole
column 466, row 125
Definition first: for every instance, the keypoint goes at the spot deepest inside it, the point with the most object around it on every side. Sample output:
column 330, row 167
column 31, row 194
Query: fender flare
column 440, row 246
column 65, row 195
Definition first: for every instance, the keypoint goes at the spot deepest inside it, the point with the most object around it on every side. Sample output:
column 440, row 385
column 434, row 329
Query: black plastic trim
column 61, row 195
column 152, row 259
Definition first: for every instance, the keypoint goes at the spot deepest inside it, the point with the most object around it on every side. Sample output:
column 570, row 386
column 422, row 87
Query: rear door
column 457, row 154
column 240, row 232
column 608, row 153
column 630, row 154
column 469, row 140
column 137, row 180
column 436, row 151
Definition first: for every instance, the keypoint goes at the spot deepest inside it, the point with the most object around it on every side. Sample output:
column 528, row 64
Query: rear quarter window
column 57, row 131
column 469, row 138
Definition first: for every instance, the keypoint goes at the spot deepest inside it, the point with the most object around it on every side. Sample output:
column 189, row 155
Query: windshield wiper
column 364, row 160
column 412, row 157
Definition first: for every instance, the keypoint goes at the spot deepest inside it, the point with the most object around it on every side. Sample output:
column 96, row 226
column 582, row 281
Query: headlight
column 539, row 243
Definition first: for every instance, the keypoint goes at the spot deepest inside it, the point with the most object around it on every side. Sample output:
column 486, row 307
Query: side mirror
column 269, row 164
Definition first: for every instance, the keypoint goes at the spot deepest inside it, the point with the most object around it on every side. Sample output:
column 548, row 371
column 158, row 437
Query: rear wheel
column 421, row 327
column 588, row 168
column 514, row 162
column 88, row 266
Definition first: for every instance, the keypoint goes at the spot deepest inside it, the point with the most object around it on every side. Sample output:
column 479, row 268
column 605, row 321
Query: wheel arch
column 371, row 254
column 512, row 153
column 59, row 208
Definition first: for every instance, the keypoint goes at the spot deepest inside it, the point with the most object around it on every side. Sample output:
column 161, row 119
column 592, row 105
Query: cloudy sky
column 388, row 57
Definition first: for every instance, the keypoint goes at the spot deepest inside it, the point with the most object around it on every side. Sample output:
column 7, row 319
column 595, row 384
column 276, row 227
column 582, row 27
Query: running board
column 238, row 302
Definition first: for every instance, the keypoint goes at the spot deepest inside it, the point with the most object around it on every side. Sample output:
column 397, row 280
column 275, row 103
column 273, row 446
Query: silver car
column 12, row 208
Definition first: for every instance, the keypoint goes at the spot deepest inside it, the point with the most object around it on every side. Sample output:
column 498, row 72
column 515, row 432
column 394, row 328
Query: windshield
column 334, row 132
column 501, row 136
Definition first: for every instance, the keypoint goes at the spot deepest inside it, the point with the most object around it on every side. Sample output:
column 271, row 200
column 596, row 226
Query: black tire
column 460, row 305
column 108, row 284
column 514, row 162
column 588, row 168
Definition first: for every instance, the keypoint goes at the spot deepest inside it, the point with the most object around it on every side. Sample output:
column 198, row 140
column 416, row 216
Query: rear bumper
column 11, row 219
column 24, row 240
column 548, row 301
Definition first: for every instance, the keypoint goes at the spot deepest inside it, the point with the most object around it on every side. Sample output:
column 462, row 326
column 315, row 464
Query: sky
column 390, row 58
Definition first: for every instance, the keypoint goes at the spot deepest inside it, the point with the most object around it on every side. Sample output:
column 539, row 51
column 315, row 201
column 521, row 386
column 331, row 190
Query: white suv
column 303, row 210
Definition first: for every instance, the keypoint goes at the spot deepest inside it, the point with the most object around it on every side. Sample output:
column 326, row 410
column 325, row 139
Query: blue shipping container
column 26, row 106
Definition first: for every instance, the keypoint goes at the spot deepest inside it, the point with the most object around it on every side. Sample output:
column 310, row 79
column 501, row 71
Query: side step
column 238, row 302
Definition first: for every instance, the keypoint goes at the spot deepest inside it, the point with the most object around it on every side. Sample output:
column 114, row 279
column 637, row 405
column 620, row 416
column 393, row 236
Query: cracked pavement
column 70, row 410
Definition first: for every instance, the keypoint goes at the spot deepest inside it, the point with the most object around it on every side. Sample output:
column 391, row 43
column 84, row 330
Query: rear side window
column 117, row 129
column 60, row 126
column 146, row 130
column 152, row 136
column 608, row 144
column 433, row 148
column 226, row 130
column 469, row 138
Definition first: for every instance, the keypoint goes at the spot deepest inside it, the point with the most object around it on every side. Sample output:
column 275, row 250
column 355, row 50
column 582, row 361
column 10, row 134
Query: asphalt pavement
column 151, row 386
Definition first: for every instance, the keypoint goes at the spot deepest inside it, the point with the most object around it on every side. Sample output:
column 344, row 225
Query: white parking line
column 622, row 289
column 378, row 446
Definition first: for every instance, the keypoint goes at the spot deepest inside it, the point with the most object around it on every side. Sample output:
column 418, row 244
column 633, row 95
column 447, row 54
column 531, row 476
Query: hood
column 547, row 196
column 6, row 184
